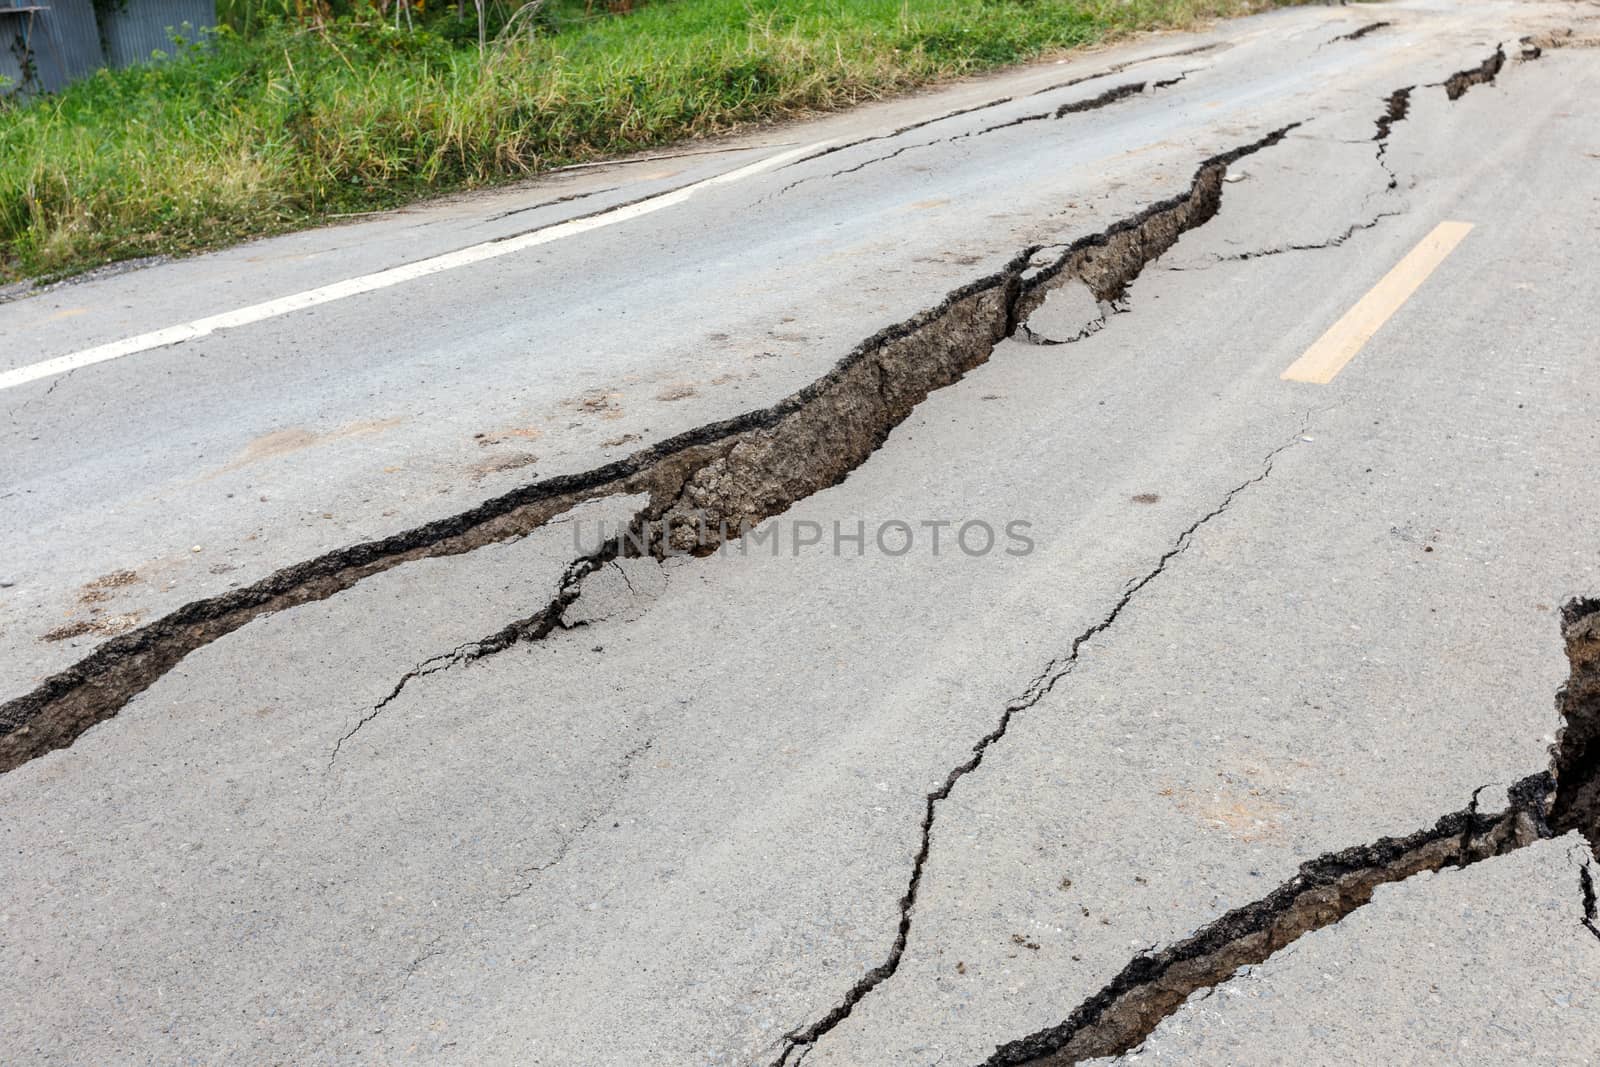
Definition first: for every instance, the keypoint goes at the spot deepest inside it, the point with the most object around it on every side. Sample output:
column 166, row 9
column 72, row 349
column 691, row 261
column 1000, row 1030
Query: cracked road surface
column 466, row 668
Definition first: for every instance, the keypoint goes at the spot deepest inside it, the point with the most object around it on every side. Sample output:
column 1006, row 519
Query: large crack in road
column 716, row 482
column 736, row 472
column 703, row 486
column 720, row 492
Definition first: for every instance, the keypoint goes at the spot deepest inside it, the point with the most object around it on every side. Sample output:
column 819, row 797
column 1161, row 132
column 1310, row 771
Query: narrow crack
column 1358, row 33
column 1060, row 667
column 1562, row 799
column 435, row 946
column 587, row 823
column 54, row 385
column 1110, row 96
column 1398, row 108
column 1042, row 684
column 1116, row 68
column 625, row 579
column 534, row 627
column 567, row 199
column 1586, row 888
column 726, row 476
column 431, row 950
column 1332, row 242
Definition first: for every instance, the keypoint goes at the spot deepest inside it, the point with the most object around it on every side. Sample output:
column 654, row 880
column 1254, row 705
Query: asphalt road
column 1159, row 470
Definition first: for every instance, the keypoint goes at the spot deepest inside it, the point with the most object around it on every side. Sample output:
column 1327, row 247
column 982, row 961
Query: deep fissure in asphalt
column 1484, row 73
column 733, row 473
column 717, row 491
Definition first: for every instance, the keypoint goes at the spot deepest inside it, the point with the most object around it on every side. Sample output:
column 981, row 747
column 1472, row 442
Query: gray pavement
column 813, row 803
column 1412, row 979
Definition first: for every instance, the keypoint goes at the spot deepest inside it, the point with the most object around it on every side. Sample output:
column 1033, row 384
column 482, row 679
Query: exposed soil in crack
column 1110, row 96
column 727, row 475
column 1458, row 83
column 1575, row 757
column 1359, row 32
column 1586, row 890
column 1328, row 888
column 1398, row 106
column 1154, row 985
column 1535, row 45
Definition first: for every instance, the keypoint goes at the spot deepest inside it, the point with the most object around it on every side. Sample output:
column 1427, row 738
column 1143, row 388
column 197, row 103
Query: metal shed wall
column 61, row 38
column 141, row 27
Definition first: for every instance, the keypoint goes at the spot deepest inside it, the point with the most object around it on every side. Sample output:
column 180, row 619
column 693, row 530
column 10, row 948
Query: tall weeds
column 301, row 120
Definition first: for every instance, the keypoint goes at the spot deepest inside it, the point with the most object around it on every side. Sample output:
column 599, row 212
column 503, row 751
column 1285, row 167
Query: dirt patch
column 115, row 580
column 103, row 626
column 297, row 439
column 1536, row 44
column 514, row 433
column 598, row 403
column 500, row 464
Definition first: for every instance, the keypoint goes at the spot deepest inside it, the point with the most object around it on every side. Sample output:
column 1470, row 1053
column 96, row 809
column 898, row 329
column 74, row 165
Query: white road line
column 382, row 279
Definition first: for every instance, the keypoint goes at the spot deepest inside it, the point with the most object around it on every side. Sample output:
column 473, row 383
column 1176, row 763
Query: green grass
column 291, row 125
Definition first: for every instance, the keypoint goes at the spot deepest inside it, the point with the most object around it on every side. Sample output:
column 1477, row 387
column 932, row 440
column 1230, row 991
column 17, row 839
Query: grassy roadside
column 259, row 135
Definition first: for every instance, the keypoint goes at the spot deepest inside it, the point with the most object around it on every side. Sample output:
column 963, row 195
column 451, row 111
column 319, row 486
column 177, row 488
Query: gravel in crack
column 102, row 626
